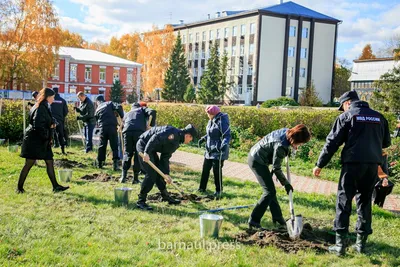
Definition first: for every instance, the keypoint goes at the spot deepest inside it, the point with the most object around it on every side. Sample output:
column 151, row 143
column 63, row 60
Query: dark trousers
column 59, row 134
column 268, row 198
column 130, row 141
column 217, row 170
column 88, row 130
column 356, row 179
column 108, row 133
column 151, row 177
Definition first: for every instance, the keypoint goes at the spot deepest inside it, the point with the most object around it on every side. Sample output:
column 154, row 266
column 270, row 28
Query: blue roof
column 229, row 13
column 290, row 8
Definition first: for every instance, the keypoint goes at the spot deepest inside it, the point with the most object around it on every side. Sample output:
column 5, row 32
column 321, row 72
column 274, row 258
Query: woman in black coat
column 217, row 138
column 37, row 140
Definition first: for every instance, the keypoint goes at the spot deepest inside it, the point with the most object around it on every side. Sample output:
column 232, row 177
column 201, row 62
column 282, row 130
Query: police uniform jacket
column 59, row 108
column 105, row 114
column 136, row 119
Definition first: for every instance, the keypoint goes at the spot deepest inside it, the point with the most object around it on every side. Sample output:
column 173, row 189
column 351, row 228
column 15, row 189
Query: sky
column 363, row 21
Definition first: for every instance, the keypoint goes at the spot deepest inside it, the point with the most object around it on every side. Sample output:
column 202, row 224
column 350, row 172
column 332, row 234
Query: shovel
column 295, row 223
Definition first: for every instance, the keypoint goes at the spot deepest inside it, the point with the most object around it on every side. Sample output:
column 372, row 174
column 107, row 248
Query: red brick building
column 92, row 72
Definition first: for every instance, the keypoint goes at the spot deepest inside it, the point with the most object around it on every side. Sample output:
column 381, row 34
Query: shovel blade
column 295, row 227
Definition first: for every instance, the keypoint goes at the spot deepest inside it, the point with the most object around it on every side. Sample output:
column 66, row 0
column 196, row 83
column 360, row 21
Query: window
column 249, row 87
column 72, row 72
column 102, row 91
column 196, row 55
column 291, row 51
column 102, row 74
column 240, row 89
column 304, row 33
column 303, row 72
column 72, row 89
column 226, row 32
column 190, row 38
column 250, row 70
column 116, row 74
column 240, row 70
column 88, row 90
column 303, row 53
column 88, row 74
column 242, row 30
column 219, row 51
column 218, row 34
column 129, row 77
column 252, row 28
column 203, row 54
column 197, row 36
column 225, row 50
column 288, row 91
column 292, row 31
column 183, row 40
column 234, row 31
column 290, row 71
column 56, row 71
column 251, row 49
column 233, row 50
column 211, row 35
column 204, row 36
column 241, row 50
column 195, row 73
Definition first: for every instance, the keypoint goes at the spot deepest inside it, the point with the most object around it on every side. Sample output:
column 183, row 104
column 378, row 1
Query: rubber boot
column 115, row 165
column 63, row 150
column 280, row 223
column 135, row 178
column 255, row 226
column 359, row 246
column 124, row 173
column 339, row 248
column 166, row 197
column 141, row 203
column 218, row 195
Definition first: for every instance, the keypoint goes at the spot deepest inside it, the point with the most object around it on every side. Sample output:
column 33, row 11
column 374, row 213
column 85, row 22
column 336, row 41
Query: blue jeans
column 88, row 128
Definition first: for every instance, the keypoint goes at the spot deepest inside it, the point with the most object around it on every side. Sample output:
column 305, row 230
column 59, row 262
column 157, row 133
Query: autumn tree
column 367, row 53
column 177, row 77
column 155, row 49
column 71, row 39
column 29, row 41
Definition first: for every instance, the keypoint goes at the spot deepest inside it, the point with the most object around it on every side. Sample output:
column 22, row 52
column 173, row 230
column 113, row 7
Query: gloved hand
column 288, row 188
column 201, row 141
column 97, row 131
column 76, row 109
column 78, row 118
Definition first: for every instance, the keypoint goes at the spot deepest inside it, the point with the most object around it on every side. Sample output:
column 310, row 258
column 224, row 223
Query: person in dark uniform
column 217, row 148
column 364, row 133
column 107, row 122
column 59, row 109
column 86, row 115
column 272, row 149
column 164, row 140
column 135, row 122
column 38, row 140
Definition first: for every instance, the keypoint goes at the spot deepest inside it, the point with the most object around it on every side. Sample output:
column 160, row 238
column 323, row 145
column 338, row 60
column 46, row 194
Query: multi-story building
column 273, row 51
column 366, row 72
column 93, row 72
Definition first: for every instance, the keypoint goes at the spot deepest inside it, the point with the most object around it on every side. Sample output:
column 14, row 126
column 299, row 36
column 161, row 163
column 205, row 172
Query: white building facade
column 274, row 51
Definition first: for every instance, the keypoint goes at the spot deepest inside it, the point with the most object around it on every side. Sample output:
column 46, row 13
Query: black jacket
column 272, row 149
column 106, row 114
column 86, row 111
column 59, row 108
column 136, row 119
column 364, row 133
column 36, row 143
column 161, row 139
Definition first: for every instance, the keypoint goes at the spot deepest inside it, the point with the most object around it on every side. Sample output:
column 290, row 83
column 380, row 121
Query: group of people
column 363, row 131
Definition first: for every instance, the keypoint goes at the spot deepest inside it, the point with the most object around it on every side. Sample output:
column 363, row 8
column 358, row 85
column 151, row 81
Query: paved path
column 242, row 171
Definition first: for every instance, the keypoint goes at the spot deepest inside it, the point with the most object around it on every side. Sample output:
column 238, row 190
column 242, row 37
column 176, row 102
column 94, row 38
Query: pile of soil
column 313, row 239
column 69, row 164
column 154, row 198
column 99, row 177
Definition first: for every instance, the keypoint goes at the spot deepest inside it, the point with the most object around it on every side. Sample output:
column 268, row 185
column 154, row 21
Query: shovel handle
column 161, row 173
column 290, row 192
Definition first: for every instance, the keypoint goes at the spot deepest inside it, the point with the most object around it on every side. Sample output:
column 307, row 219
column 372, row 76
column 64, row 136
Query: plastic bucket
column 13, row 148
column 210, row 224
column 122, row 195
column 65, row 175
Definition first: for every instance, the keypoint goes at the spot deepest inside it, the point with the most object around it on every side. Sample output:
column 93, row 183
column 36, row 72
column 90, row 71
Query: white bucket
column 65, row 175
column 122, row 195
column 210, row 224
column 13, row 148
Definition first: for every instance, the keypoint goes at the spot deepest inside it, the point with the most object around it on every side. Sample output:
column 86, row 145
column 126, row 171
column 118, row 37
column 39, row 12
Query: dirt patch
column 65, row 163
column 193, row 197
column 314, row 239
column 99, row 177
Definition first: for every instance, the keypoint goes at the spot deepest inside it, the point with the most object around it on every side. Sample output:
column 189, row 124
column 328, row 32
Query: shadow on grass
column 375, row 248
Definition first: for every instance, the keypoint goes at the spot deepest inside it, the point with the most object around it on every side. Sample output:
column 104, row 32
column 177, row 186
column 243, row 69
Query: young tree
column 117, row 93
column 341, row 83
column 367, row 53
column 209, row 91
column 177, row 77
column 310, row 97
column 387, row 98
column 190, row 94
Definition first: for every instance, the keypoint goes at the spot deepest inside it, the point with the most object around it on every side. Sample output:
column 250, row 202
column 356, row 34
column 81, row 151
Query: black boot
column 280, row 223
column 115, row 165
column 135, row 178
column 255, row 226
column 141, row 203
column 63, row 150
column 122, row 180
column 166, row 197
column 100, row 164
column 59, row 188
column 359, row 246
column 339, row 248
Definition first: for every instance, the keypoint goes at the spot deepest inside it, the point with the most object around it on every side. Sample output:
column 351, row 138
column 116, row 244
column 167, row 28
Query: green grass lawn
column 83, row 226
